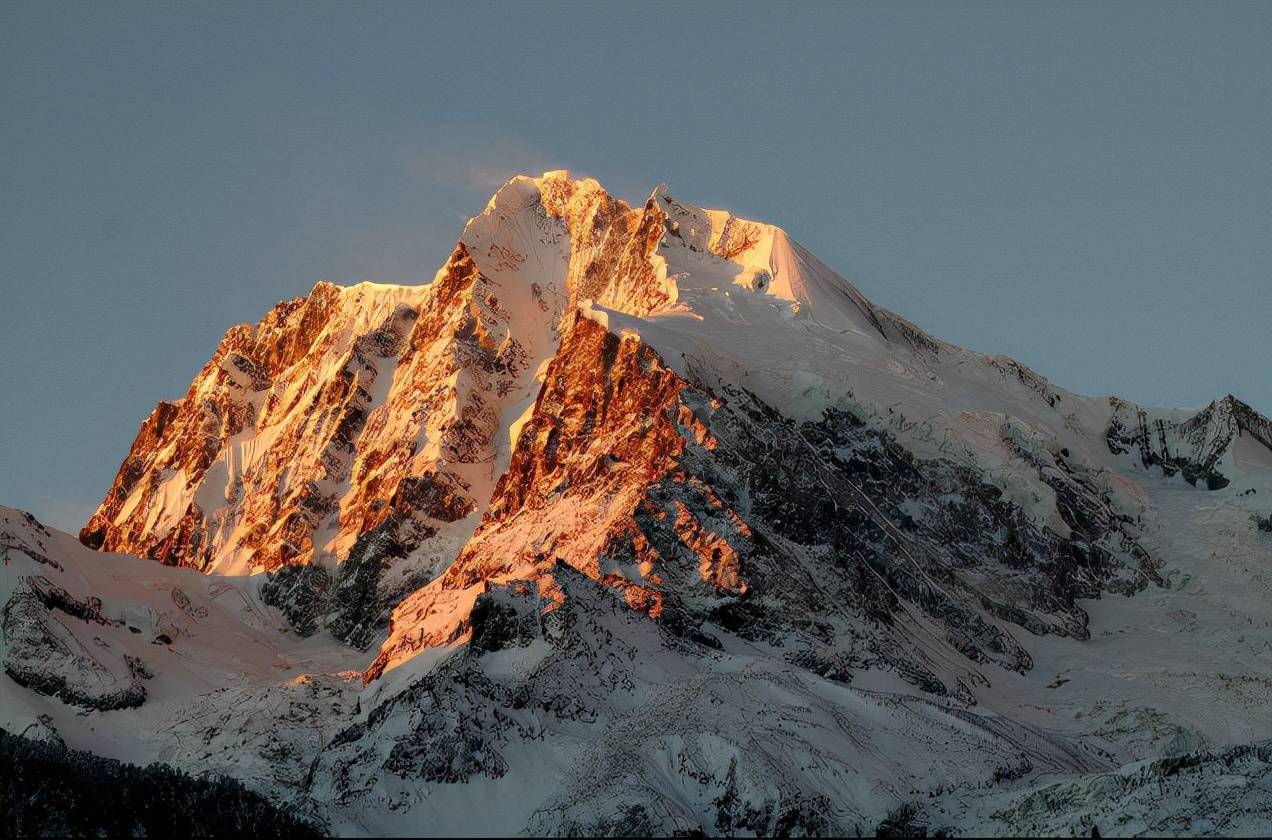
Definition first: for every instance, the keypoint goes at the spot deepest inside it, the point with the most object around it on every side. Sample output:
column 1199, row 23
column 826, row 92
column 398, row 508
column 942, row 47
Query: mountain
column 641, row 520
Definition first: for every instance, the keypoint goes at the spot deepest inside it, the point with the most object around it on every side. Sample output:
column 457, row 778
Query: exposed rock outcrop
column 1193, row 446
column 49, row 657
column 711, row 509
column 670, row 530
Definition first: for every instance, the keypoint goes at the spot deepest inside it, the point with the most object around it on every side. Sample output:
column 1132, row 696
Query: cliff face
column 354, row 409
column 603, row 429
column 684, row 407
column 708, row 509
column 641, row 520
column 1198, row 445
column 252, row 460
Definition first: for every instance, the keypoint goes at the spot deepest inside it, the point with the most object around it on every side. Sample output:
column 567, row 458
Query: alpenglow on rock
column 640, row 520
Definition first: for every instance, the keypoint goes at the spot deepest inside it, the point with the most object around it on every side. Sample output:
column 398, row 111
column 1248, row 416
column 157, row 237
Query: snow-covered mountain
column 643, row 520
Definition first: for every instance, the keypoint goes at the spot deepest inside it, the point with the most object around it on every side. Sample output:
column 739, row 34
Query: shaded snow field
column 663, row 738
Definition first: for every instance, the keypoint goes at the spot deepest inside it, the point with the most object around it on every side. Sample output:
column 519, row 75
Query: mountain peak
column 372, row 430
column 649, row 483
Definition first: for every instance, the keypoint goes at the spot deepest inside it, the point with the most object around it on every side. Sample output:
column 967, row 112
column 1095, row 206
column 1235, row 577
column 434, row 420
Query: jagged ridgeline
column 641, row 519
column 354, row 440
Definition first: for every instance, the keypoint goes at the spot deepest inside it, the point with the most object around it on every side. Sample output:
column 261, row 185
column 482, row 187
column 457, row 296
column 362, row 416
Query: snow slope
column 191, row 634
column 678, row 531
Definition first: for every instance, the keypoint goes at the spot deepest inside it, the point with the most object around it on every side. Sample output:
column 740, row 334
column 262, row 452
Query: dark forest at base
column 51, row 791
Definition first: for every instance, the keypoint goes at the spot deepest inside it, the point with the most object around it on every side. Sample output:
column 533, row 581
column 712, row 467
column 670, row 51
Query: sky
column 1084, row 187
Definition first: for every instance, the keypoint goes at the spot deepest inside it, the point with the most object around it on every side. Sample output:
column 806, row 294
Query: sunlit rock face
column 677, row 403
column 244, row 469
column 639, row 519
column 360, row 422
column 708, row 509
column 352, row 408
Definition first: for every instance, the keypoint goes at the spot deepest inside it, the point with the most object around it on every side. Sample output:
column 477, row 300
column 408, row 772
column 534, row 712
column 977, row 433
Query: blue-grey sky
column 1086, row 187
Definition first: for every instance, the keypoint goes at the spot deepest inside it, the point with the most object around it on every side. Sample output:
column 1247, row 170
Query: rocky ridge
column 635, row 510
